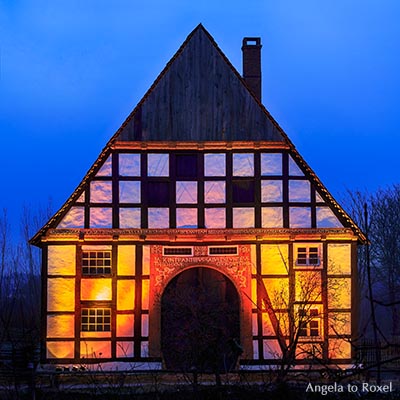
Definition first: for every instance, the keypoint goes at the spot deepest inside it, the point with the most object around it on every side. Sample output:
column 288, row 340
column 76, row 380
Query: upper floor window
column 96, row 262
column 308, row 256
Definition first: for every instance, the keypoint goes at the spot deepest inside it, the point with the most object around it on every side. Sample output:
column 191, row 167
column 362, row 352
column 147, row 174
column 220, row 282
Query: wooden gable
column 200, row 96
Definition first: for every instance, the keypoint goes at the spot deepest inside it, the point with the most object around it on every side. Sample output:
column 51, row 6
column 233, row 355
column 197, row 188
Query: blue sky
column 71, row 71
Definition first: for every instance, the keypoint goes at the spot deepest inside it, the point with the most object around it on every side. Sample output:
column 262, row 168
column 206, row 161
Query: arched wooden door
column 200, row 322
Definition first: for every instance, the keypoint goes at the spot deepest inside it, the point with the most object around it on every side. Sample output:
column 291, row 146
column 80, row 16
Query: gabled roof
column 200, row 97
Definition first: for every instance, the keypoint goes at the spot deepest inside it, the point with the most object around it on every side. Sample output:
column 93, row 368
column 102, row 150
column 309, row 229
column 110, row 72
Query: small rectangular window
column 222, row 250
column 309, row 324
column 96, row 320
column 96, row 262
column 308, row 256
column 302, row 256
column 177, row 251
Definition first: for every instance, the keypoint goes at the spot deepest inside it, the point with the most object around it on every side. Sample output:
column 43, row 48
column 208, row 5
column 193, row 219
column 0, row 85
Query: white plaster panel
column 106, row 168
column 125, row 325
column 271, row 191
column 126, row 260
column 61, row 260
column 186, row 217
column 339, row 258
column 243, row 217
column 271, row 349
column 243, row 164
column 300, row 217
column 101, row 217
column 294, row 169
column 299, row 191
column 215, row 218
column 274, row 259
column 101, row 192
column 125, row 294
column 271, row 164
column 129, row 217
column 158, row 164
column 61, row 294
column 129, row 164
column 61, row 326
column 271, row 217
column 158, row 218
column 74, row 218
column 96, row 289
column 98, row 349
column 214, row 192
column 214, row 164
column 186, row 192
column 62, row 349
column 125, row 349
column 129, row 191
column 339, row 348
column 326, row 218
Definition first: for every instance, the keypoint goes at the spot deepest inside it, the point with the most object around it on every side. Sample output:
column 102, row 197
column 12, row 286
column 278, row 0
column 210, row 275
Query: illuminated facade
column 200, row 237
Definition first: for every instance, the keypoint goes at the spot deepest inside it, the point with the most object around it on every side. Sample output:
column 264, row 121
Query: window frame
column 308, row 250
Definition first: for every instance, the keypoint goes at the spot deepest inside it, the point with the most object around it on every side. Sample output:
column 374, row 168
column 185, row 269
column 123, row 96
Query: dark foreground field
column 84, row 385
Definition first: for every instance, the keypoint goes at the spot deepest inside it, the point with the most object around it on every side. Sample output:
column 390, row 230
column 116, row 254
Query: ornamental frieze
column 237, row 267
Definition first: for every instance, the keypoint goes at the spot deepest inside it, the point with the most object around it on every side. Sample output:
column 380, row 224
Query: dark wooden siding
column 200, row 97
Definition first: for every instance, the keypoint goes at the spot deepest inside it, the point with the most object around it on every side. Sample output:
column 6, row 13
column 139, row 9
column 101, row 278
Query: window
column 96, row 262
column 96, row 320
column 222, row 251
column 309, row 324
column 308, row 256
column 177, row 251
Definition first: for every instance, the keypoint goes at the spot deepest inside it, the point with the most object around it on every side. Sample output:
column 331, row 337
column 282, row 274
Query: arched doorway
column 200, row 322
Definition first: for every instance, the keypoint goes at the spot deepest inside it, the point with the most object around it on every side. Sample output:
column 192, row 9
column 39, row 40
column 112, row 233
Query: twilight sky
column 71, row 71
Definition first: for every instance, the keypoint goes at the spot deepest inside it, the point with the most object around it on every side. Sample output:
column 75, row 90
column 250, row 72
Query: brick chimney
column 251, row 48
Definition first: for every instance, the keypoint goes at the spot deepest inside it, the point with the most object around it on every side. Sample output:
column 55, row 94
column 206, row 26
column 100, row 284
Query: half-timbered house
column 200, row 237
